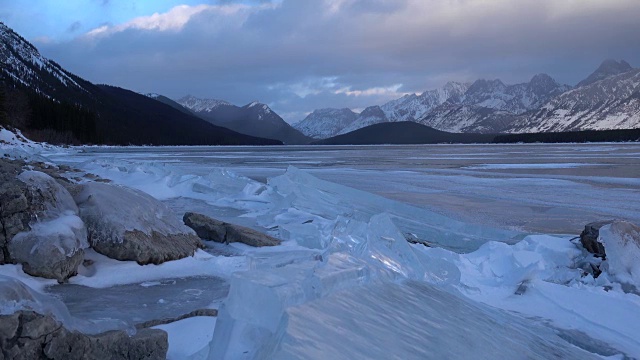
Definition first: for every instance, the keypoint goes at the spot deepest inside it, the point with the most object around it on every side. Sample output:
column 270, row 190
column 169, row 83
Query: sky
column 301, row 55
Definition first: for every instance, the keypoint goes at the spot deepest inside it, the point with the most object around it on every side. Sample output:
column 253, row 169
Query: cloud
column 174, row 20
column 75, row 26
column 301, row 55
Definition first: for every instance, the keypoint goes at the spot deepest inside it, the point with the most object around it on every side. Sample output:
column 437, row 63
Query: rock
column 156, row 322
column 40, row 227
column 30, row 335
column 621, row 240
column 127, row 224
column 219, row 231
column 589, row 238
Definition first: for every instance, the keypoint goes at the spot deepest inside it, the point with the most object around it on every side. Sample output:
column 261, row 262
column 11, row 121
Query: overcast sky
column 299, row 55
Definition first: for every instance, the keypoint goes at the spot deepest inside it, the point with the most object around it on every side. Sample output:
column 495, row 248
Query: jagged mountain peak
column 607, row 68
column 542, row 84
column 484, row 85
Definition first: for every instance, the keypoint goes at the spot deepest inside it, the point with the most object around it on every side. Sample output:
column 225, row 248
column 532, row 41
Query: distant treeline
column 571, row 137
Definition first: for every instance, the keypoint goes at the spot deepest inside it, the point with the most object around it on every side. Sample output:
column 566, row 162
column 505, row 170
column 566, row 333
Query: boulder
column 209, row 228
column 40, row 225
column 30, row 335
column 127, row 224
column 589, row 238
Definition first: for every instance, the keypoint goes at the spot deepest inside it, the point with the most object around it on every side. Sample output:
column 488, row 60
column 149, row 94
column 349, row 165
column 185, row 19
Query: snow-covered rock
column 621, row 242
column 40, row 225
column 127, row 224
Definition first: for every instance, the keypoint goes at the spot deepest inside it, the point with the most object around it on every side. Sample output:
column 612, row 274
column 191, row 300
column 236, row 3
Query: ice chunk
column 253, row 317
column 413, row 321
column 327, row 200
column 16, row 296
column 622, row 244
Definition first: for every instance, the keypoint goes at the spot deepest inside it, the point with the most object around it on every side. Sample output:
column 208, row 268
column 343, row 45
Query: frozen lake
column 532, row 187
column 345, row 269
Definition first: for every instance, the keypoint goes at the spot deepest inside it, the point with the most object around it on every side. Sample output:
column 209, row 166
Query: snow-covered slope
column 412, row 107
column 21, row 62
column 489, row 106
column 611, row 103
column 369, row 116
column 467, row 118
column 325, row 123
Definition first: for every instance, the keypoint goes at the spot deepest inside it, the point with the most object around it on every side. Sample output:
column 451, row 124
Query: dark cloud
column 303, row 55
column 75, row 26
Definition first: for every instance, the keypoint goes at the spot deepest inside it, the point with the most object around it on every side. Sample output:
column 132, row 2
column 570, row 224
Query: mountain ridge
column 491, row 106
column 255, row 119
column 57, row 106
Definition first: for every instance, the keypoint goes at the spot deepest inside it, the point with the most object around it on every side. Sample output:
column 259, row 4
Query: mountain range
column 52, row 104
column 254, row 119
column 606, row 99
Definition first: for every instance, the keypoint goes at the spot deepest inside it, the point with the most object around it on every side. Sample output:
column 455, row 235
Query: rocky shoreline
column 49, row 217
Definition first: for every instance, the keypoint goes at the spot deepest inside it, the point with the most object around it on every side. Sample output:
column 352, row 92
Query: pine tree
column 4, row 120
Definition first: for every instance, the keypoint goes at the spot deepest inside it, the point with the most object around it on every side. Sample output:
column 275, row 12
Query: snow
column 114, row 210
column 106, row 272
column 621, row 242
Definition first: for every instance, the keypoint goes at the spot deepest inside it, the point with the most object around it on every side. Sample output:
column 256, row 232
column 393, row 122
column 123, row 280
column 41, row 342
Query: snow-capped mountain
column 457, row 118
column 324, row 123
column 255, row 119
column 489, row 106
column 412, row 107
column 369, row 116
column 22, row 63
column 484, row 106
column 201, row 105
column 610, row 103
column 608, row 68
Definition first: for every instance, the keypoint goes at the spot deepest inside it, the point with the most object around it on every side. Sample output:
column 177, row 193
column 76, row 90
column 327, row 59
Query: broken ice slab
column 253, row 315
column 412, row 320
column 326, row 200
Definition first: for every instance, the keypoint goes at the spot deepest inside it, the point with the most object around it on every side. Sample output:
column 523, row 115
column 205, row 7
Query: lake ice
column 500, row 280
